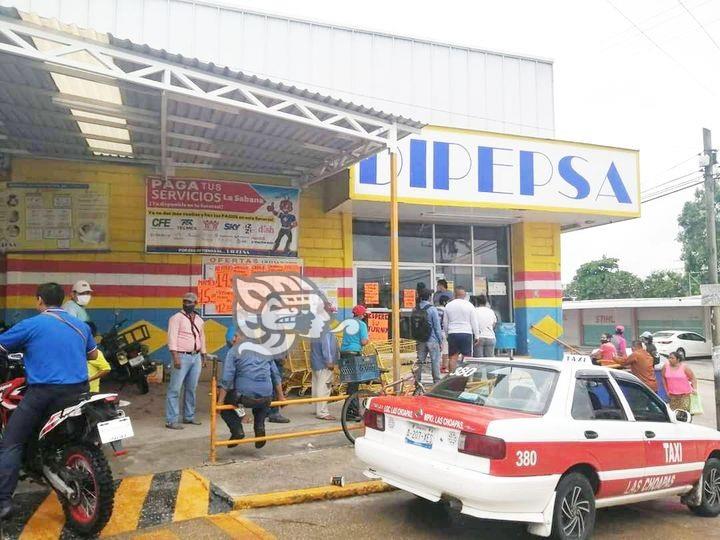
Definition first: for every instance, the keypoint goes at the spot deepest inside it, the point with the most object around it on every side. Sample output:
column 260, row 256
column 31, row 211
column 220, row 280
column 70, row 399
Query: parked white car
column 690, row 344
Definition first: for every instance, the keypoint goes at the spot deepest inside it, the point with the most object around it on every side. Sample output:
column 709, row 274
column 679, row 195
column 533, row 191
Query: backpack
column 420, row 328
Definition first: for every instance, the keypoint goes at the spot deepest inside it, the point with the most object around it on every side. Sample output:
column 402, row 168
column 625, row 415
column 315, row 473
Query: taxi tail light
column 664, row 342
column 481, row 445
column 374, row 420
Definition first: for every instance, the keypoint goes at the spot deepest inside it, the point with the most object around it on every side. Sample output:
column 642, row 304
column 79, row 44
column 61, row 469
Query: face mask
column 188, row 308
column 83, row 299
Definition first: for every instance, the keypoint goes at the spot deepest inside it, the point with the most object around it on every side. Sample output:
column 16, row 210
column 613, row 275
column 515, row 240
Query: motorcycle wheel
column 89, row 509
column 143, row 385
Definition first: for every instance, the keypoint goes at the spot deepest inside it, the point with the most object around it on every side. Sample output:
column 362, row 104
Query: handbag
column 696, row 407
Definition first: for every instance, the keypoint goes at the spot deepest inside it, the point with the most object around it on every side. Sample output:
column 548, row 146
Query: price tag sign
column 409, row 298
column 372, row 293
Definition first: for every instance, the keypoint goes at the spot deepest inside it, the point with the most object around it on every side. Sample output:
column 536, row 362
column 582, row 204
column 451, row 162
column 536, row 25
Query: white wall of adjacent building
column 431, row 82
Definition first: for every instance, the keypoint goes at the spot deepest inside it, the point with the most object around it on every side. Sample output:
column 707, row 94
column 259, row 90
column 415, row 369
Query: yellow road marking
column 193, row 496
column 47, row 522
column 239, row 527
column 162, row 534
column 129, row 499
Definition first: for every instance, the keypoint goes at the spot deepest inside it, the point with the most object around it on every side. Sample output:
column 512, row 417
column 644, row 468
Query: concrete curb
column 298, row 496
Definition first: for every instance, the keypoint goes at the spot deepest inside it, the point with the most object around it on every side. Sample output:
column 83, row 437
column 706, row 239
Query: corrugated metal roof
column 40, row 120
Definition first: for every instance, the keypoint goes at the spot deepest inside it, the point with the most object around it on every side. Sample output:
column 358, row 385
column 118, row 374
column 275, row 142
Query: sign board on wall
column 215, row 289
column 196, row 215
column 482, row 169
column 54, row 217
column 378, row 326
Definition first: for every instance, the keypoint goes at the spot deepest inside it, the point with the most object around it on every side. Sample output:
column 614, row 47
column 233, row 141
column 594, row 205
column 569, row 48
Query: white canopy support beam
column 61, row 49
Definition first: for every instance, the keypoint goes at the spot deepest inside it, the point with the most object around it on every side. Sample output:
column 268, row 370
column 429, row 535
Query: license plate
column 420, row 435
column 115, row 430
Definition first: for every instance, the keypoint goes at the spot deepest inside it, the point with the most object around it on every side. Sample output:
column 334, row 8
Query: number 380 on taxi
column 541, row 442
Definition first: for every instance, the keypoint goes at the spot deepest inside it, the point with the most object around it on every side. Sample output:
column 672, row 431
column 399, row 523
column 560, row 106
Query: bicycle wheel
column 352, row 414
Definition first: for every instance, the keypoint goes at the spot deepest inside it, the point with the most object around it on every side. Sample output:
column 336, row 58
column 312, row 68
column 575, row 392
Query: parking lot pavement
column 402, row 515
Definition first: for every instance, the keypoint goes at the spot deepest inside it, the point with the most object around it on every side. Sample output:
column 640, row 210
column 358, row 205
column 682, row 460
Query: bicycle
column 354, row 406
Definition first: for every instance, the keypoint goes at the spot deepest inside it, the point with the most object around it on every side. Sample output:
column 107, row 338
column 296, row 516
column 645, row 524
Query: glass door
column 373, row 289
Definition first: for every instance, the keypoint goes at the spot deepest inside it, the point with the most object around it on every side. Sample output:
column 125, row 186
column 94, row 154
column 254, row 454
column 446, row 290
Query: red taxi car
column 541, row 442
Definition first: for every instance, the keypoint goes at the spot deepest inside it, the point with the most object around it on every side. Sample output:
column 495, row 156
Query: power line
column 702, row 27
column 670, row 188
column 695, row 181
column 651, row 188
column 651, row 40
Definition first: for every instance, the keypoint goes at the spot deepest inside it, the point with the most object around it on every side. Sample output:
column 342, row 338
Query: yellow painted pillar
column 395, row 263
column 537, row 289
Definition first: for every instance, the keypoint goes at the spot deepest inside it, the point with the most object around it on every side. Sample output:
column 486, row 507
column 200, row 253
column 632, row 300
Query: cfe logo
column 162, row 223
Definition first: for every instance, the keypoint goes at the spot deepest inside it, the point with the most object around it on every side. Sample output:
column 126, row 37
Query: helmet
column 646, row 335
column 619, row 329
column 359, row 310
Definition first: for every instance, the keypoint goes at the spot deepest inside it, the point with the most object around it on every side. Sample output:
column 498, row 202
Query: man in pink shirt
column 186, row 341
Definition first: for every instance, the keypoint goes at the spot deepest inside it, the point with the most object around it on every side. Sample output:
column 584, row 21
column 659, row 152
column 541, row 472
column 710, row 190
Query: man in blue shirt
column 323, row 355
column 248, row 378
column 431, row 347
column 57, row 347
column 353, row 343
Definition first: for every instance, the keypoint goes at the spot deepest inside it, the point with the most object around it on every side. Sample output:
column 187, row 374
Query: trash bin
column 506, row 337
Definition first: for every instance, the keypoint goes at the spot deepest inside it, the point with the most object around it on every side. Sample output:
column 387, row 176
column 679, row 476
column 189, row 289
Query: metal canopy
column 75, row 94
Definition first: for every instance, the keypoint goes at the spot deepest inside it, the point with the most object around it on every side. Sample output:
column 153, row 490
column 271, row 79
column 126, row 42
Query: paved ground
column 401, row 515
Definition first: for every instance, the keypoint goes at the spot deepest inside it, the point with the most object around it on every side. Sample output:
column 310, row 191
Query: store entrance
column 373, row 290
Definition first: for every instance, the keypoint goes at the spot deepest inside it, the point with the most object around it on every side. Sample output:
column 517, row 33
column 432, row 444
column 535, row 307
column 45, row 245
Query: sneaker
column 174, row 425
column 278, row 419
column 329, row 417
column 260, row 432
column 193, row 422
column 239, row 435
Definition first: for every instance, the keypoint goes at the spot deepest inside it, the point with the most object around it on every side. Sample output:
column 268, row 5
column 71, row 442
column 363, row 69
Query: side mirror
column 683, row 416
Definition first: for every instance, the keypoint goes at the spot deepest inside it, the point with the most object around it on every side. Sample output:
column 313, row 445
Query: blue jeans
column 189, row 375
column 485, row 348
column 431, row 348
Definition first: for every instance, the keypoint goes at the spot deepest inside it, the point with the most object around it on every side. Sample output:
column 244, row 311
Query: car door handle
column 650, row 434
column 591, row 435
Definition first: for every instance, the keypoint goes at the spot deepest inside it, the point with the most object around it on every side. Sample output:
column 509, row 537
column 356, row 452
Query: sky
column 645, row 77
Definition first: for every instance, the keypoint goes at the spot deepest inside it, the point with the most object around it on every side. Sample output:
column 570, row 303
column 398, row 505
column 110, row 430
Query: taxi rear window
column 526, row 389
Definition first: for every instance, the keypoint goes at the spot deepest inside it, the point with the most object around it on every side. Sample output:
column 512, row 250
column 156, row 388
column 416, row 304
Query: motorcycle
column 128, row 356
column 67, row 454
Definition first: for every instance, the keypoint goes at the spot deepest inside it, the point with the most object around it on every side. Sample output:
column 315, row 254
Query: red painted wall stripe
column 541, row 275
column 94, row 267
column 538, row 293
column 319, row 272
column 150, row 291
column 345, row 292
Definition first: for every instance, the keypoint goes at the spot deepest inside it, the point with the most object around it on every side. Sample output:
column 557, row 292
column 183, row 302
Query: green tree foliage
column 604, row 279
column 693, row 236
column 664, row 284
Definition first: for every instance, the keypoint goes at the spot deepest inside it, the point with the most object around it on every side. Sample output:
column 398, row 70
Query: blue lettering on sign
column 368, row 170
column 527, row 172
column 441, row 165
column 486, row 163
column 616, row 183
column 488, row 159
column 574, row 178
column 418, row 163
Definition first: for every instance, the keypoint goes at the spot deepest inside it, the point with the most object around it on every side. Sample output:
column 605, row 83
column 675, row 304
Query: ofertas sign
column 213, row 217
column 481, row 169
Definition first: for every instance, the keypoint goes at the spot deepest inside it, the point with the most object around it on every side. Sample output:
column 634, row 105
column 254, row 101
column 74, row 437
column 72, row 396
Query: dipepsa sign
column 488, row 169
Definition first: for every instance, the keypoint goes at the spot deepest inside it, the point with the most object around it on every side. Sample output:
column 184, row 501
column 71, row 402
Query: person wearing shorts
column 461, row 326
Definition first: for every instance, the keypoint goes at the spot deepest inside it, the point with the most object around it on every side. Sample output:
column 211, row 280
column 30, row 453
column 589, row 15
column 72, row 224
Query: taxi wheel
column 574, row 515
column 710, row 502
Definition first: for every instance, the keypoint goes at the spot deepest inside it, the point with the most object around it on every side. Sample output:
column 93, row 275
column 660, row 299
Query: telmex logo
column 572, row 171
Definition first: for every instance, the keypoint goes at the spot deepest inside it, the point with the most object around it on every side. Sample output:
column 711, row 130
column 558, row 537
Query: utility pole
column 710, row 161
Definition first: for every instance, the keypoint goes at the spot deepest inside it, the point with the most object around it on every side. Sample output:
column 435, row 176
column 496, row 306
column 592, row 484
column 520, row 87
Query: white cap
column 81, row 287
